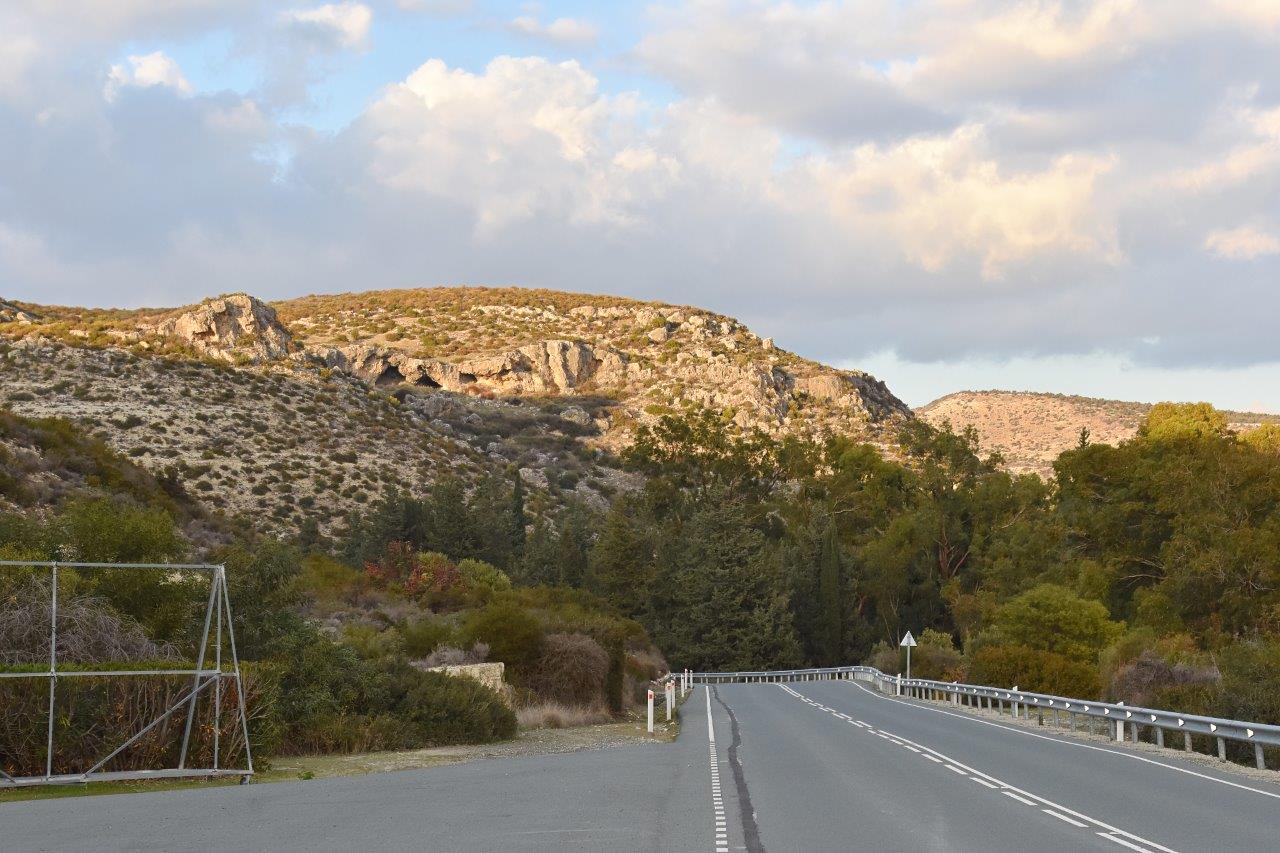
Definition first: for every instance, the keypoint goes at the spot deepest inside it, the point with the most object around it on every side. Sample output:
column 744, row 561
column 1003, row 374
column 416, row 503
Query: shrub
column 1144, row 680
column 513, row 634
column 572, row 670
column 552, row 715
column 423, row 636
column 483, row 579
column 1035, row 670
column 1054, row 619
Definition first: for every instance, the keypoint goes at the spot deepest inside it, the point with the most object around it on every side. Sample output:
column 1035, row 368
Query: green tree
column 1054, row 619
column 1173, row 421
column 831, row 598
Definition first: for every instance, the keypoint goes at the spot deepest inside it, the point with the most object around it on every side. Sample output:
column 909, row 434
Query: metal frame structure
column 1020, row 702
column 219, row 604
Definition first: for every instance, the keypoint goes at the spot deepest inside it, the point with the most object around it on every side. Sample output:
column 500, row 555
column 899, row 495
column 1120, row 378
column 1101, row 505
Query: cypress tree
column 831, row 598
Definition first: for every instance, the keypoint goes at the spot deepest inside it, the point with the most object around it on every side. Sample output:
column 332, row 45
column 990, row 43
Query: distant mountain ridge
column 1029, row 429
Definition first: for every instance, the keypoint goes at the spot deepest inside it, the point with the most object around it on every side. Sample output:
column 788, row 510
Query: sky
column 1079, row 196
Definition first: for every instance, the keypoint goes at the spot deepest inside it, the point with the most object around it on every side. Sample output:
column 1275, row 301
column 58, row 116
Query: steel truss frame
column 203, row 677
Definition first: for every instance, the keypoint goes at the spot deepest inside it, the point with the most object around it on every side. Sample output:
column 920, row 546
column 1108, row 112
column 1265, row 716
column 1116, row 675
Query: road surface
column 811, row 766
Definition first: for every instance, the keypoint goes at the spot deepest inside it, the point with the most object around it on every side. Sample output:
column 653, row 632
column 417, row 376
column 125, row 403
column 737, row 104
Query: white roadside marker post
column 671, row 698
column 650, row 711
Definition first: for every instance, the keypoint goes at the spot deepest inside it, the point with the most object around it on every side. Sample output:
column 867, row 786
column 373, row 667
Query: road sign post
column 907, row 642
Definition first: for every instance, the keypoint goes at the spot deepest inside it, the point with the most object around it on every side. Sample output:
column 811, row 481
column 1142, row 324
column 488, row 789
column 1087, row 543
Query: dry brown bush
column 553, row 715
column 571, row 670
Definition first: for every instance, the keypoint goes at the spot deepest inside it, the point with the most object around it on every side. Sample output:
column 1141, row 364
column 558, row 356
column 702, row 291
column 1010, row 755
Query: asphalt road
column 804, row 767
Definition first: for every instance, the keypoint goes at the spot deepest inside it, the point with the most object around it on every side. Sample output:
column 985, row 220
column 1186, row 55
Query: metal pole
column 217, row 685
column 235, row 661
column 204, row 645
column 53, row 672
column 908, row 663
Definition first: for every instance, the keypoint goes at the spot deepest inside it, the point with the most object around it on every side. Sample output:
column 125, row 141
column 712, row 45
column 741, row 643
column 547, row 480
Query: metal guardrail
column 1118, row 716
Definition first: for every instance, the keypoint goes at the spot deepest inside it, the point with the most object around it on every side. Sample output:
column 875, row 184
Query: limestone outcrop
column 231, row 328
column 10, row 313
column 547, row 367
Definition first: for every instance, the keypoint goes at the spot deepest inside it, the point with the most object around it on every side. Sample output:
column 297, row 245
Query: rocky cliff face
column 232, row 328
column 650, row 358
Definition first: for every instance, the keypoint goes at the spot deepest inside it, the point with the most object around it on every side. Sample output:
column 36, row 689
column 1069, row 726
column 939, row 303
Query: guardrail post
column 1259, row 757
column 1120, row 730
column 1159, row 737
column 1222, row 749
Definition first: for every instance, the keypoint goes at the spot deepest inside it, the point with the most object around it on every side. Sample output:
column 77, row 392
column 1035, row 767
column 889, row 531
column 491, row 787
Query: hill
column 311, row 407
column 1030, row 429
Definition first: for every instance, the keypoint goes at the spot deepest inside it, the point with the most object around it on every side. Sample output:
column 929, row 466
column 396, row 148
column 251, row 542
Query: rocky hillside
column 650, row 358
column 1030, row 429
column 309, row 408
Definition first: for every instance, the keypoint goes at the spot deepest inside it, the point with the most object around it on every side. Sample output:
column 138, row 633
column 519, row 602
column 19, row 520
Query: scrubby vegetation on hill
column 1030, row 429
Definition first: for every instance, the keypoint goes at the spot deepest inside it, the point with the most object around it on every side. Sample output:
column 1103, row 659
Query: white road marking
column 717, row 801
column 1128, row 844
column 934, row 760
column 1055, row 809
column 1065, row 742
column 984, row 782
column 1064, row 818
column 1019, row 798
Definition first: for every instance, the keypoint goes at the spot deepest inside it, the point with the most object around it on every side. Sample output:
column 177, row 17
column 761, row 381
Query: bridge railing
column 1121, row 719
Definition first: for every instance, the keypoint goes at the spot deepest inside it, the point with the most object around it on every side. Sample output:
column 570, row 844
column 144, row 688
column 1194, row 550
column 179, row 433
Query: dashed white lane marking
column 1064, row 818
column 1056, row 810
column 1065, row 742
column 717, row 800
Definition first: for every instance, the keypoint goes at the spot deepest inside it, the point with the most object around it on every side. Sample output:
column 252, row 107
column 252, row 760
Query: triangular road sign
column 908, row 640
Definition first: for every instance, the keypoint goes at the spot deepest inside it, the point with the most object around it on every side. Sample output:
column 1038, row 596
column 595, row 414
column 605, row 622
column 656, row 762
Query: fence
column 203, row 677
column 1118, row 717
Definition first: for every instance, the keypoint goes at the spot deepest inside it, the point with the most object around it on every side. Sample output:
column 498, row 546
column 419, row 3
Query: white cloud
column 946, row 197
column 570, row 32
column 145, row 71
column 1242, row 244
column 342, row 24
